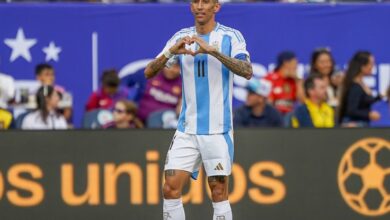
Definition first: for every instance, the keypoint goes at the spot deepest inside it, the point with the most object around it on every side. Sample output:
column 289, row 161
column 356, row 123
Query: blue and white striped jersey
column 207, row 83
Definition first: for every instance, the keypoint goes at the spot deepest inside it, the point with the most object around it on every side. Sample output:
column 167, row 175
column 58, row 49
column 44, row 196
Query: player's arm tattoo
column 170, row 172
column 155, row 66
column 240, row 67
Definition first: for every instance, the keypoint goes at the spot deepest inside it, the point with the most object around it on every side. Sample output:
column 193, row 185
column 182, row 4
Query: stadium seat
column 162, row 119
column 97, row 118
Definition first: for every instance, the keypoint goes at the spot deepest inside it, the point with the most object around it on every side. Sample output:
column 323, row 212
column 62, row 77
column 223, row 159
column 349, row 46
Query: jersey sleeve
column 239, row 50
column 173, row 60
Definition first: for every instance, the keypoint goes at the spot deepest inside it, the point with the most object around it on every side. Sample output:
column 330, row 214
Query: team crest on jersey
column 215, row 44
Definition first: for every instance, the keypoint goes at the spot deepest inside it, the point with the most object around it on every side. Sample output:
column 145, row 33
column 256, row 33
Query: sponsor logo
column 218, row 167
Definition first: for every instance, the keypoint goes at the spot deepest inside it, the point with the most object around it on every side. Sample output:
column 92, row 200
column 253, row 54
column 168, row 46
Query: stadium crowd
column 324, row 97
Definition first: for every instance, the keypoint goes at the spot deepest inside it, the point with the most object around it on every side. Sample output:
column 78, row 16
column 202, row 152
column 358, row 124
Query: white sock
column 222, row 211
column 173, row 209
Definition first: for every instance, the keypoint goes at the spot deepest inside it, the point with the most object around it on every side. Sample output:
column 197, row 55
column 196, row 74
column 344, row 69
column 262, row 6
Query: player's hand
column 203, row 46
column 180, row 46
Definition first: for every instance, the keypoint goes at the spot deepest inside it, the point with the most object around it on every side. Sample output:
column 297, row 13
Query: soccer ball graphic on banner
column 364, row 177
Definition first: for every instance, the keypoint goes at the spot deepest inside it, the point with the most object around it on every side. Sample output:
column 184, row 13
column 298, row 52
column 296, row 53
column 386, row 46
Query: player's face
column 204, row 10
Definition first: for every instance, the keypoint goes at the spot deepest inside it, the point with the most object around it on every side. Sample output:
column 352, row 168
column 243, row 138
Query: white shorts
column 188, row 151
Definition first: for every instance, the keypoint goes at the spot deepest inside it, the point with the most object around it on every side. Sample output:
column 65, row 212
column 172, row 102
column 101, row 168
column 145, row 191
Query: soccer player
column 208, row 53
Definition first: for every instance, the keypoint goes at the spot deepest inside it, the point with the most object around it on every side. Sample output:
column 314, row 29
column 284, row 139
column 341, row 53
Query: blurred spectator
column 163, row 92
column 315, row 112
column 383, row 107
column 322, row 62
column 109, row 93
column 46, row 115
column 356, row 98
column 125, row 116
column 286, row 87
column 257, row 112
column 6, row 119
column 45, row 74
column 7, row 90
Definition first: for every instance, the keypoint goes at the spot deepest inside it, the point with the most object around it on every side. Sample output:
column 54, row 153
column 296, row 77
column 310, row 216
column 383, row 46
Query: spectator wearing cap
column 315, row 112
column 286, row 87
column 257, row 112
column 125, row 116
column 109, row 93
column 46, row 116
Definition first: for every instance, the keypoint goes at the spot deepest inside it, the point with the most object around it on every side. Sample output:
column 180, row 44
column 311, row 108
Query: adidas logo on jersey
column 218, row 167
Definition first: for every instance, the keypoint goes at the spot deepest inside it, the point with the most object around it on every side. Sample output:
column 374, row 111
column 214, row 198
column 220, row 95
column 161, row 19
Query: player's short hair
column 42, row 66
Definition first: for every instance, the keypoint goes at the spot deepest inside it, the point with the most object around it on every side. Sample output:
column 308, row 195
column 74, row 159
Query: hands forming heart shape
column 180, row 46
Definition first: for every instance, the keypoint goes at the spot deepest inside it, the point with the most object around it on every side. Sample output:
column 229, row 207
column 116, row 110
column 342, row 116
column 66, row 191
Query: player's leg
column 182, row 159
column 219, row 195
column 217, row 155
column 173, row 186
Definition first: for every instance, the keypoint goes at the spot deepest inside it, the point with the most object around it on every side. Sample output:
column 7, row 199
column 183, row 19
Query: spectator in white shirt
column 45, row 117
column 7, row 89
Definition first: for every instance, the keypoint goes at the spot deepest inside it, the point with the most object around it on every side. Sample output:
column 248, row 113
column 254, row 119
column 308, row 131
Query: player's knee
column 170, row 192
column 218, row 188
column 219, row 193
